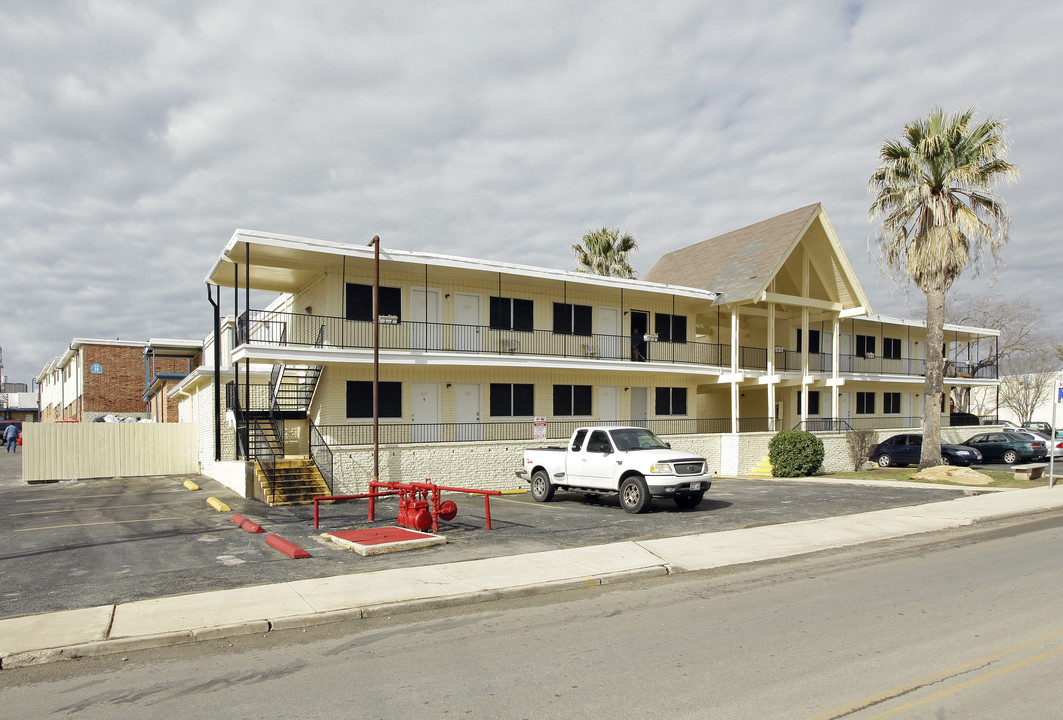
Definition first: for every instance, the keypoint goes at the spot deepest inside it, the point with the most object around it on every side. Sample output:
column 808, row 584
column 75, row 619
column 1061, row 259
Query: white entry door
column 424, row 319
column 608, row 405
column 425, row 401
column 640, row 406
column 467, row 321
column 467, row 412
column 610, row 342
column 845, row 406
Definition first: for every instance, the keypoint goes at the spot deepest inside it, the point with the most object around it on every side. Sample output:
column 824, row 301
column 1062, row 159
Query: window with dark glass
column 891, row 348
column 570, row 400
column 360, row 399
column 813, row 340
column 670, row 328
column 671, row 401
column 360, row 302
column 891, row 403
column 512, row 400
column 511, row 314
column 572, row 319
column 865, row 403
column 813, row 402
column 865, row 345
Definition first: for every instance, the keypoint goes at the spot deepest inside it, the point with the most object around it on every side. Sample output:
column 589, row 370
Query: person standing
column 10, row 437
column 638, row 345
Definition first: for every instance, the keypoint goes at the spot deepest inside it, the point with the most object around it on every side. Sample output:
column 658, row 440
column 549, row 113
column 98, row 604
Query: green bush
column 795, row 453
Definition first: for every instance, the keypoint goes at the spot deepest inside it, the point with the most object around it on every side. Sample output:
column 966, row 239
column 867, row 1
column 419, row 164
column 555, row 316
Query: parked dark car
column 906, row 449
column 1007, row 446
column 1038, row 426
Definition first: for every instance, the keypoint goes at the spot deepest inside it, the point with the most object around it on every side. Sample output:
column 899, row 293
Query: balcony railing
column 281, row 329
column 399, row 433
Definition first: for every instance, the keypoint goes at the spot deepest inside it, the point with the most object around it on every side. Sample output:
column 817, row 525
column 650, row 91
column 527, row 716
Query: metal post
column 375, row 242
column 1052, row 446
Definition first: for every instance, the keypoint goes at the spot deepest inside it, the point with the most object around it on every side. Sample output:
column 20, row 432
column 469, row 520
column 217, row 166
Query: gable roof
column 742, row 264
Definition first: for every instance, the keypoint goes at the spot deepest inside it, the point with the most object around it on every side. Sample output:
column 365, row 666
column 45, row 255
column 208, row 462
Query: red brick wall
column 119, row 389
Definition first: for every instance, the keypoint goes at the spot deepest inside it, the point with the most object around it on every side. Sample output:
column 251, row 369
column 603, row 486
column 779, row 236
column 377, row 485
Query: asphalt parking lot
column 94, row 542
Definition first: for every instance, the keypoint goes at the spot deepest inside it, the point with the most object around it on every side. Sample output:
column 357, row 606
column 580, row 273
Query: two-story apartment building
column 758, row 330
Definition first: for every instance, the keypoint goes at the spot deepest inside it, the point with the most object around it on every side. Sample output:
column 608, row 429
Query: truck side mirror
column 668, row 445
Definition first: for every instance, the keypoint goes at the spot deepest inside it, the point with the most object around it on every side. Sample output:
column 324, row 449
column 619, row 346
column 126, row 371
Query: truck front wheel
column 541, row 487
column 634, row 494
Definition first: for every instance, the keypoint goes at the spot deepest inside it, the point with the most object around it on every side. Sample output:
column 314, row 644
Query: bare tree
column 1029, row 384
column 1021, row 324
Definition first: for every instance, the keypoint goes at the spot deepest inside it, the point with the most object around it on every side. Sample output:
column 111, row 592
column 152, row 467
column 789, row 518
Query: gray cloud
column 136, row 137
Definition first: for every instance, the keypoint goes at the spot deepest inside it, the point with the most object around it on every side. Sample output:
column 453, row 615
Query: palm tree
column 934, row 188
column 605, row 252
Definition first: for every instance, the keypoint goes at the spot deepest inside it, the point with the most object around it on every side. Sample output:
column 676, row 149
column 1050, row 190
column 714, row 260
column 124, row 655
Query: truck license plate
column 695, row 486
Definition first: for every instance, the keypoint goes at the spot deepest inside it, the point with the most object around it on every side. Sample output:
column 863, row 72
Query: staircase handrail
column 321, row 454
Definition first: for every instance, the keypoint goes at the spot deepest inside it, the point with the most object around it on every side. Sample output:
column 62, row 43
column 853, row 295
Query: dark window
column 577, row 440
column 865, row 403
column 865, row 345
column 360, row 399
column 572, row 319
column 671, row 401
column 891, row 403
column 516, row 400
column 599, row 443
column 511, row 314
column 813, row 341
column 813, row 402
column 360, row 302
column 670, row 328
column 572, row 400
column 891, row 348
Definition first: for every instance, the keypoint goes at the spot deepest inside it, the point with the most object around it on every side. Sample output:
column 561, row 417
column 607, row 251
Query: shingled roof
column 740, row 265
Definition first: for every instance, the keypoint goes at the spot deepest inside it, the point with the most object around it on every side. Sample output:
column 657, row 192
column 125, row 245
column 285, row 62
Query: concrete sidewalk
column 181, row 619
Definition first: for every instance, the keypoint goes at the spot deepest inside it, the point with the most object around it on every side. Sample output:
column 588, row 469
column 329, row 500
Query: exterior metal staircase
column 296, row 481
column 285, row 479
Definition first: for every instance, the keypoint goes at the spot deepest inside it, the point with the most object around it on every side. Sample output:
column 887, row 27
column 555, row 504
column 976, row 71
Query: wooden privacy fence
column 62, row 451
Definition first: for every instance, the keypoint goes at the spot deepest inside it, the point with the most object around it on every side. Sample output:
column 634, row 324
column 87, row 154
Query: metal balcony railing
column 281, row 329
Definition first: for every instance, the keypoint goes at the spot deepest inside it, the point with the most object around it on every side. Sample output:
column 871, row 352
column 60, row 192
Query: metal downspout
column 217, row 374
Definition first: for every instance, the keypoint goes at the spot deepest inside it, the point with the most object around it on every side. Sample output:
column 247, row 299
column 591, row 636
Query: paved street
column 96, row 542
column 955, row 625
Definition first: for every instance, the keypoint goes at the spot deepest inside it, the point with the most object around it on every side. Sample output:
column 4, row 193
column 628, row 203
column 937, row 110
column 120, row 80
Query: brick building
column 94, row 378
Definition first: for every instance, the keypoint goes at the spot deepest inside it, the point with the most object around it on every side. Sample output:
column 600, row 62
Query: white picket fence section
column 63, row 451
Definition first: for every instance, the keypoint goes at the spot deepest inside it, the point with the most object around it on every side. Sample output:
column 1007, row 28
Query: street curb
column 264, row 626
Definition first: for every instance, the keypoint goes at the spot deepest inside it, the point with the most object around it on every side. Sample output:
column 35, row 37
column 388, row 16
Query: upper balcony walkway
column 279, row 329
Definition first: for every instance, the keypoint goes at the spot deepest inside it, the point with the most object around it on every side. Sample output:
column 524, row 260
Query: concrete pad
column 385, row 586
column 222, row 607
column 377, row 541
column 60, row 629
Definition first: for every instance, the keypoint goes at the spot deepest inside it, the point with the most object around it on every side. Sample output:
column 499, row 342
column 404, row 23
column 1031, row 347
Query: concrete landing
column 377, row 541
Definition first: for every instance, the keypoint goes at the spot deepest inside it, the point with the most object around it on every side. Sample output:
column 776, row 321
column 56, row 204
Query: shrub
column 795, row 453
column 860, row 441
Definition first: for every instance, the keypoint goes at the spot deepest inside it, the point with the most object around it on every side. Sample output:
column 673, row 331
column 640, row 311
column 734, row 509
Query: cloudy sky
column 136, row 136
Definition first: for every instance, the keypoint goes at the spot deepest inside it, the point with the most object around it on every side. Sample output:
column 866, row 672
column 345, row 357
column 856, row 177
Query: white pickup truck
column 630, row 461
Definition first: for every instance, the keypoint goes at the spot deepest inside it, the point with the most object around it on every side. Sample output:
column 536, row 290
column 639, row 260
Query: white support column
column 804, row 364
column 835, row 356
column 771, row 367
column 734, row 369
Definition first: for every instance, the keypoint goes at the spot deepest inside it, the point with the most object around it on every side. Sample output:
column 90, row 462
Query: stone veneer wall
column 490, row 465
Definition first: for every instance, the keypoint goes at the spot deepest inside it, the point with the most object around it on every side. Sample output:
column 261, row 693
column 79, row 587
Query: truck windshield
column 636, row 439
